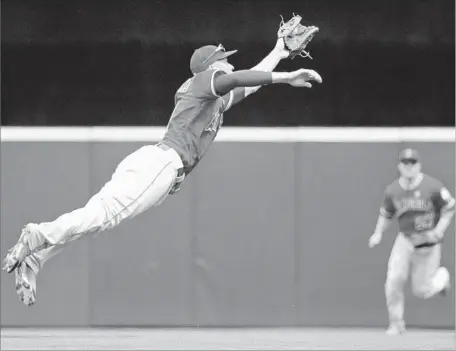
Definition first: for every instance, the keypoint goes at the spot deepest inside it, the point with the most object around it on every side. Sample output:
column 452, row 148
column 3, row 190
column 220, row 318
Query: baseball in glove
column 296, row 36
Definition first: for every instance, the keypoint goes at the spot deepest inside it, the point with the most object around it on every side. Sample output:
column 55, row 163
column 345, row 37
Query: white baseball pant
column 428, row 278
column 141, row 180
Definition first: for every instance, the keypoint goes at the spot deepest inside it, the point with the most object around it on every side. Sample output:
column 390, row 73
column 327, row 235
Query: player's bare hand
column 302, row 78
column 280, row 49
column 375, row 239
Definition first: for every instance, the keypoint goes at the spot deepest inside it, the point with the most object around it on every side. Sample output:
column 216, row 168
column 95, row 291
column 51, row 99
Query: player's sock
column 395, row 301
column 33, row 262
column 44, row 255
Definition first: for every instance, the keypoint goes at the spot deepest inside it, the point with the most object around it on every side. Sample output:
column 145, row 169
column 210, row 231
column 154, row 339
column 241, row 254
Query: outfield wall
column 271, row 229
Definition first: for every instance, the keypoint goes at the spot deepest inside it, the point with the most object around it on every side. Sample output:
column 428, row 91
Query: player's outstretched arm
column 267, row 64
column 270, row 62
column 249, row 78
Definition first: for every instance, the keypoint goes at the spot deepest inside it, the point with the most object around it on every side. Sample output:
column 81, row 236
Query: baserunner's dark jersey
column 196, row 119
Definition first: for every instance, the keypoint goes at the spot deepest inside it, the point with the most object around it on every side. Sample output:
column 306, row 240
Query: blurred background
column 262, row 233
column 83, row 62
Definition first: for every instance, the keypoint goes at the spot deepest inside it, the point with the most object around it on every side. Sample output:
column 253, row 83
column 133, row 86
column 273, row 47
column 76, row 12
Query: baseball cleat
column 397, row 328
column 26, row 283
column 21, row 250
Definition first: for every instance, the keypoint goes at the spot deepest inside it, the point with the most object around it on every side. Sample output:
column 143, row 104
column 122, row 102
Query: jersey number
column 172, row 116
column 424, row 222
column 182, row 90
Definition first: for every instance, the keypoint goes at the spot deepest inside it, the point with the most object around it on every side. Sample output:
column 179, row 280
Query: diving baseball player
column 424, row 209
column 147, row 176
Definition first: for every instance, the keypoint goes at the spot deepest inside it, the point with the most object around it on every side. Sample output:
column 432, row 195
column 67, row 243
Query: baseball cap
column 205, row 56
column 409, row 155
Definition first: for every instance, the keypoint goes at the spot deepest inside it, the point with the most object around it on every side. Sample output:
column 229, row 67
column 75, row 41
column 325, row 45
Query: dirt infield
column 223, row 339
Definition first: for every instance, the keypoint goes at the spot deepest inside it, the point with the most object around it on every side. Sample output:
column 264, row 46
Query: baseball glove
column 296, row 36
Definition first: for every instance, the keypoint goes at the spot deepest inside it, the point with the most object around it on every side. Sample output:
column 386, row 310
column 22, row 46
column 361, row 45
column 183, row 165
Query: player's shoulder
column 208, row 73
column 201, row 85
column 393, row 188
column 431, row 182
column 206, row 77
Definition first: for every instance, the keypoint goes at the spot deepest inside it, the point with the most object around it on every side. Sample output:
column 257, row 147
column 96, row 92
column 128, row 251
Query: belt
column 180, row 171
column 425, row 245
column 163, row 146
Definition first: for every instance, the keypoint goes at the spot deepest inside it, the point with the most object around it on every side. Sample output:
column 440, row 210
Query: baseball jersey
column 196, row 118
column 417, row 209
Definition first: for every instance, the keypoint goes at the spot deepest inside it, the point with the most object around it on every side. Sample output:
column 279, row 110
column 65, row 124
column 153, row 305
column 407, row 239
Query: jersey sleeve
column 203, row 85
column 443, row 200
column 233, row 97
column 387, row 209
